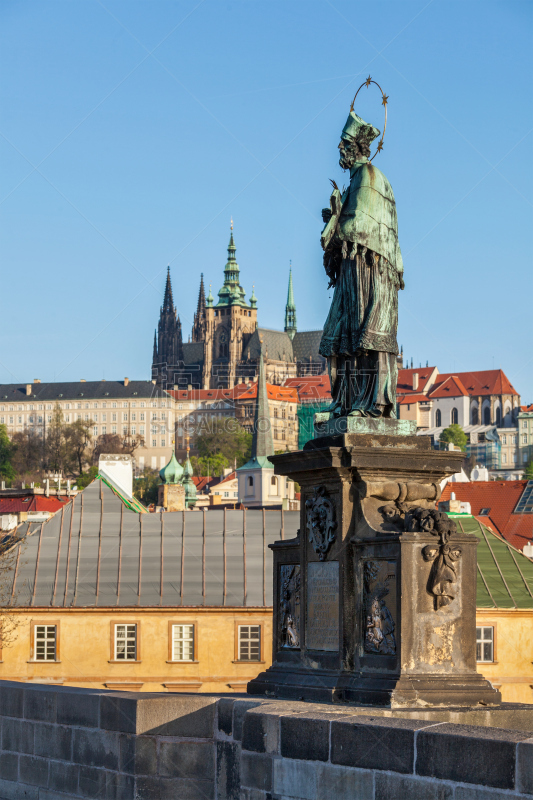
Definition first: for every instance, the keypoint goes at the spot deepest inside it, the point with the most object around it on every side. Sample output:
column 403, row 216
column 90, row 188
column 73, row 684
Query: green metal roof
column 505, row 575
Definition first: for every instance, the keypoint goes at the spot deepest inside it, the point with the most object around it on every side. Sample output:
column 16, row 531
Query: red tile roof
column 500, row 497
column 201, row 483
column 313, row 387
column 527, row 408
column 14, row 505
column 412, row 398
column 274, row 392
column 405, row 379
column 490, row 381
column 451, row 387
column 519, row 530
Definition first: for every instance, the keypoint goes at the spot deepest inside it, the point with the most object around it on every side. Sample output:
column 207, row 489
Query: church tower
column 168, row 344
column 198, row 327
column 290, row 309
column 229, row 325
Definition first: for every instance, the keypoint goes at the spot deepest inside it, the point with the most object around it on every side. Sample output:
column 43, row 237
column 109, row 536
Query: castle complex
column 226, row 342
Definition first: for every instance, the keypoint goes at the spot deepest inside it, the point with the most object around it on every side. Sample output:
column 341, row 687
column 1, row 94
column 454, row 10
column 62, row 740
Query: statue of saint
column 363, row 261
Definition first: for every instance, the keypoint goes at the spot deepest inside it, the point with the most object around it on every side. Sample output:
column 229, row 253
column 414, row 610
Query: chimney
column 28, row 389
column 36, row 380
column 126, row 381
column 47, row 487
column 189, row 387
column 82, row 380
column 415, row 381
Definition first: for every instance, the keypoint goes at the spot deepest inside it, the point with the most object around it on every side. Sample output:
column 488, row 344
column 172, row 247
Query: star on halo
column 384, row 101
column 368, row 81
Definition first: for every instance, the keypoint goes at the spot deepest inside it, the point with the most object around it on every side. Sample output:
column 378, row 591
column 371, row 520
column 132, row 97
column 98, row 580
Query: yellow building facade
column 224, row 650
column 105, row 597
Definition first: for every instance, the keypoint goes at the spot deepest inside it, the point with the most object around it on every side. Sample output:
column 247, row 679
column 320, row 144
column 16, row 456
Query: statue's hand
column 402, row 284
column 326, row 214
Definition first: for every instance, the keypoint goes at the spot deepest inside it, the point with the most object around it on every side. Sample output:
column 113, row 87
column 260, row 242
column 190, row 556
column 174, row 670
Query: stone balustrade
column 59, row 743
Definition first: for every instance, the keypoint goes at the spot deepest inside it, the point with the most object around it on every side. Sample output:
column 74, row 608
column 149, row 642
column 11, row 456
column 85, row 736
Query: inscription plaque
column 322, row 626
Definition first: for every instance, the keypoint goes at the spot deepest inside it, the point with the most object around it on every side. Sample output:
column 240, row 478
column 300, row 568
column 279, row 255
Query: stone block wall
column 60, row 743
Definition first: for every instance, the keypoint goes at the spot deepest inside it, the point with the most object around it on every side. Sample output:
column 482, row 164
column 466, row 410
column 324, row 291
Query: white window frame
column 183, row 642
column 42, row 635
column 130, row 634
column 483, row 638
column 247, row 642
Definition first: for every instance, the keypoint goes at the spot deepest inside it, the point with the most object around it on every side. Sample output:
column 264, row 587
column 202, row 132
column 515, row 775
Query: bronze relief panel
column 379, row 607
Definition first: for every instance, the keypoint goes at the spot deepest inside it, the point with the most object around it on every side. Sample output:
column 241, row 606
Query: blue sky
column 132, row 131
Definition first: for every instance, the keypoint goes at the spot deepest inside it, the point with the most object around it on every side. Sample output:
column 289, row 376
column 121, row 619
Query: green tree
column 456, row 435
column 7, row 472
column 528, row 472
column 225, row 437
column 56, row 458
column 146, row 486
column 28, row 453
column 213, row 466
column 77, row 439
column 112, row 443
column 85, row 478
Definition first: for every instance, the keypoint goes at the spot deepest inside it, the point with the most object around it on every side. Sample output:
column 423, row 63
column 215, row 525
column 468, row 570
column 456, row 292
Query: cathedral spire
column 154, row 359
column 168, row 302
column 198, row 326
column 231, row 292
column 290, row 309
column 168, row 344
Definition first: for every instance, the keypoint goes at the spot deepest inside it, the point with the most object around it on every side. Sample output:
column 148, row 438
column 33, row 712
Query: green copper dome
column 173, row 471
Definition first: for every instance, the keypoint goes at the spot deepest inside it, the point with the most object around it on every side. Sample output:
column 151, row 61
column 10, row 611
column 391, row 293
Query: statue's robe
column 364, row 262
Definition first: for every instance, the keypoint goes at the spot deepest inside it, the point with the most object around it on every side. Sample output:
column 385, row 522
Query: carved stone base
column 375, row 601
column 320, row 686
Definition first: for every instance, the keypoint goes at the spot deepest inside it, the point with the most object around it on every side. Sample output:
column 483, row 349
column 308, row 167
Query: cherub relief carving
column 443, row 555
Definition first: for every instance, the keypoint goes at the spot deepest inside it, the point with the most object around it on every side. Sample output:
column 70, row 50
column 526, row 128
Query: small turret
column 188, row 483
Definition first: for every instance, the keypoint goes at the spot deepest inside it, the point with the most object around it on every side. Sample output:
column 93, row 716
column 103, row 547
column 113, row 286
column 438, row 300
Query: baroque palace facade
column 225, row 342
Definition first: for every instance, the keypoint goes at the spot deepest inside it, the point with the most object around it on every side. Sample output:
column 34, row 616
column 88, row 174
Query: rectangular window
column 143, row 405
column 45, row 642
column 133, row 430
column 142, row 417
column 95, row 417
column 95, row 430
column 249, row 643
column 114, row 417
column 163, row 443
column 133, row 417
column 524, row 438
column 126, row 642
column 125, row 416
column 154, row 442
column 141, row 430
column 86, row 418
column 104, row 430
column 182, row 643
column 124, row 430
column 113, row 428
column 485, row 644
column 113, row 405
column 124, row 405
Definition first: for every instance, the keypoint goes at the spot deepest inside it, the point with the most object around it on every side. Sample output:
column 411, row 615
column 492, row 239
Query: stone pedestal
column 375, row 601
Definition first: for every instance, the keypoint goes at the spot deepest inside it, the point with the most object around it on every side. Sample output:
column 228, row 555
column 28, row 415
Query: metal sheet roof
column 98, row 552
column 505, row 575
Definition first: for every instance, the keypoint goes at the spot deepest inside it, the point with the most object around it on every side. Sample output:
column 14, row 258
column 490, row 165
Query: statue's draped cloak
column 364, row 310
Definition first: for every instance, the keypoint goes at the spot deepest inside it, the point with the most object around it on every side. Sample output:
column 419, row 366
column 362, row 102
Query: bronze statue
column 363, row 261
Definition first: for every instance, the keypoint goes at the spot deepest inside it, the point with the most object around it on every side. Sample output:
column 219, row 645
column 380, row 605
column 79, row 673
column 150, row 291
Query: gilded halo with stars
column 384, row 101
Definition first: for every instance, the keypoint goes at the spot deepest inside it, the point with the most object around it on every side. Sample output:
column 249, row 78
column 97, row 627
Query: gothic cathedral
column 226, row 342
